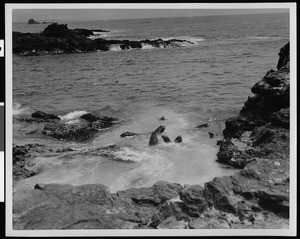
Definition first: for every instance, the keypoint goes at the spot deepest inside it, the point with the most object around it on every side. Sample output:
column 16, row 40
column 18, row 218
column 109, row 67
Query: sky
column 23, row 15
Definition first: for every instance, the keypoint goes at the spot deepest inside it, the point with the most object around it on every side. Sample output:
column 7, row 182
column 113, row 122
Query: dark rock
column 21, row 155
column 202, row 126
column 159, row 130
column 153, row 139
column 281, row 118
column 166, row 139
column 284, row 56
column 162, row 118
column 44, row 116
column 58, row 38
column 57, row 30
column 95, row 116
column 71, row 132
column 211, row 135
column 159, row 193
column 178, row 139
column 32, row 21
column 231, row 155
column 194, row 200
column 84, row 32
column 127, row 134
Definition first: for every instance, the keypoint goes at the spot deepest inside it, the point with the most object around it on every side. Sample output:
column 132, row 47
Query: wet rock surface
column 257, row 197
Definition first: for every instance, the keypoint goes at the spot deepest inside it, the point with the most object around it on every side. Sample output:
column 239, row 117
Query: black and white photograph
column 150, row 119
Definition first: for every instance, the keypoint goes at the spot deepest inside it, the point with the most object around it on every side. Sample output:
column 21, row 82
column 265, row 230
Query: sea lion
column 202, row 126
column 166, row 138
column 211, row 135
column 126, row 134
column 159, row 130
column 153, row 139
column 178, row 139
column 162, row 118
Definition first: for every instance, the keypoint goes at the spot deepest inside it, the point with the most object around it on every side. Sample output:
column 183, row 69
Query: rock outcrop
column 32, row 21
column 272, row 94
column 58, row 38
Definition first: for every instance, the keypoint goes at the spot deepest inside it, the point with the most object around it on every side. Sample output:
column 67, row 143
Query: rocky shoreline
column 257, row 141
column 58, row 38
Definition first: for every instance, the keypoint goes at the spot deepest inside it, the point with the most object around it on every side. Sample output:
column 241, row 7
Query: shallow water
column 190, row 85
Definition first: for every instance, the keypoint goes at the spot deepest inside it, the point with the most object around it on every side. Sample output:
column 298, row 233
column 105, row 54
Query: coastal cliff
column 256, row 141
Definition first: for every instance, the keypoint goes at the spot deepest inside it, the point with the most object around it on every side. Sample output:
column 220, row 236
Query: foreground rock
column 89, row 206
column 58, row 38
column 21, row 156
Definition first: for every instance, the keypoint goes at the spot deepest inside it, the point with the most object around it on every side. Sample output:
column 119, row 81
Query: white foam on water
column 72, row 115
column 18, row 109
column 146, row 46
column 115, row 47
column 194, row 40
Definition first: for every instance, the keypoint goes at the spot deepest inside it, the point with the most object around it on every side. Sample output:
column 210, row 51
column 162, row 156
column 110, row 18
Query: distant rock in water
column 162, row 118
column 45, row 116
column 32, row 21
column 178, row 139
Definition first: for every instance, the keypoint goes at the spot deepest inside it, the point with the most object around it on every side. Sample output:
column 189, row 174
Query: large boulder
column 98, row 120
column 57, row 30
column 73, row 132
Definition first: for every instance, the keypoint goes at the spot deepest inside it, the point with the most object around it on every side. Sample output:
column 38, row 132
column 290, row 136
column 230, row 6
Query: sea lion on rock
column 178, row 139
column 159, row 130
column 166, row 138
column 153, row 139
column 126, row 134
column 202, row 126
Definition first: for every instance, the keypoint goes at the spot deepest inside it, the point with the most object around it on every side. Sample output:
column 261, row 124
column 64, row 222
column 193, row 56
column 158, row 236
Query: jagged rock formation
column 58, row 38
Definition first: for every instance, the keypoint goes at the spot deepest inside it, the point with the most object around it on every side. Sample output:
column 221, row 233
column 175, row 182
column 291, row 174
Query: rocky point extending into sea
column 58, row 38
column 257, row 142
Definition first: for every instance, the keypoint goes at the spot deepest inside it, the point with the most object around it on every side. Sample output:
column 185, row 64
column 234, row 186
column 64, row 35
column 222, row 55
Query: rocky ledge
column 257, row 197
column 58, row 38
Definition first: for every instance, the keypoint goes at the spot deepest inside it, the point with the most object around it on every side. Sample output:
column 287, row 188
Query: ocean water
column 205, row 82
